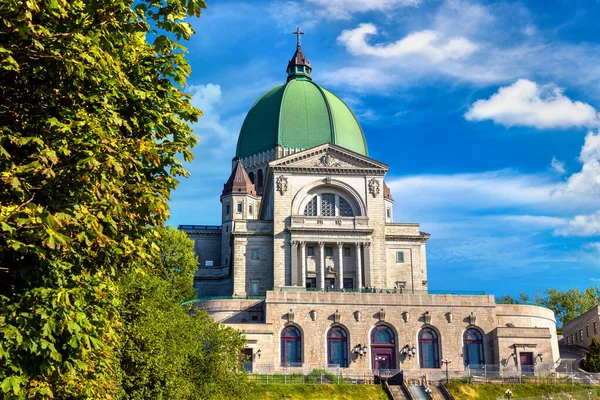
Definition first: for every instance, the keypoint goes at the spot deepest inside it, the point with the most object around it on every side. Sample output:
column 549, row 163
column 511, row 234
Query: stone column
column 294, row 257
column 321, row 273
column 358, row 267
column 303, row 263
column 367, row 266
column 340, row 265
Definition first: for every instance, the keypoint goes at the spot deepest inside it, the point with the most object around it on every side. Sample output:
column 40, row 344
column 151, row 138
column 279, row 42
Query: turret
column 239, row 202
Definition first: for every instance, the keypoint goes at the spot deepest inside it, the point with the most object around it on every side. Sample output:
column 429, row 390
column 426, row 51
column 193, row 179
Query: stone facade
column 317, row 248
column 581, row 330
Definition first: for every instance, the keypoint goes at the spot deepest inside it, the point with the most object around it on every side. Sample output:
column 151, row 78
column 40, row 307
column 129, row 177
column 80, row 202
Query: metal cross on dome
column 298, row 32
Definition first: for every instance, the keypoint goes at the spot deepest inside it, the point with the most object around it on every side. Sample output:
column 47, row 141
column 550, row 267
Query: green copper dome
column 298, row 115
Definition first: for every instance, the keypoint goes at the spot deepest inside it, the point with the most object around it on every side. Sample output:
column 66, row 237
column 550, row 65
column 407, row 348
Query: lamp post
column 408, row 351
column 446, row 361
column 428, row 392
column 508, row 393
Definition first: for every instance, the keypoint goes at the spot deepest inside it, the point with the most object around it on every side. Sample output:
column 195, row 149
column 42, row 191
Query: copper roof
column 298, row 59
column 239, row 182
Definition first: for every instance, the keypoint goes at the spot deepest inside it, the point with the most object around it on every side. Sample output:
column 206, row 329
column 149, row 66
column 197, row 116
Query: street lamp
column 508, row 393
column 360, row 350
column 408, row 351
column 446, row 361
column 428, row 392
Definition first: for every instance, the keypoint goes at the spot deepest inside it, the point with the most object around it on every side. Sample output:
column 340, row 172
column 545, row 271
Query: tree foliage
column 92, row 119
column 166, row 353
column 591, row 362
column 568, row 304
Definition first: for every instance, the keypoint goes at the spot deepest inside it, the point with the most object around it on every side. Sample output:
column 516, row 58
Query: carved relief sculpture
column 282, row 184
column 374, row 187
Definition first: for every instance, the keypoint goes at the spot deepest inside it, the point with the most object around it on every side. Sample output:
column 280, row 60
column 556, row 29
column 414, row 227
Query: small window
column 587, row 331
column 227, row 209
column 310, row 251
column 208, row 263
column 389, row 213
column 573, row 339
column 239, row 206
column 346, row 251
column 251, row 209
column 254, row 254
column 254, row 286
column 567, row 338
column 400, row 285
column 581, row 335
column 329, row 251
column 595, row 328
column 399, row 256
column 227, row 229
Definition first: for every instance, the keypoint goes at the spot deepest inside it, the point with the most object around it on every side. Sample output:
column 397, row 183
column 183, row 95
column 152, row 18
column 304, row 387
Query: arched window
column 291, row 346
column 345, row 208
column 251, row 176
column 259, row 178
column 311, row 207
column 382, row 334
column 328, row 205
column 473, row 347
column 337, row 347
column 429, row 349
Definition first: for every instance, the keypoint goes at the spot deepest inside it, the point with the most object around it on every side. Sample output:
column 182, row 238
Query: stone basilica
column 310, row 264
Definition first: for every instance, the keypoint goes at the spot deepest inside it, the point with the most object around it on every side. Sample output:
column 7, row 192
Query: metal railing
column 267, row 373
column 589, row 394
column 380, row 290
column 200, row 299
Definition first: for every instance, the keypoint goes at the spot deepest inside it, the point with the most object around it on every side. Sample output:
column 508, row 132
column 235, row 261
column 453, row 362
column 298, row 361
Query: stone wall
column 581, row 330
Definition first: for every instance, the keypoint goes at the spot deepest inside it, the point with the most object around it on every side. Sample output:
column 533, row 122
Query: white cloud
column 525, row 103
column 310, row 12
column 582, row 225
column 558, row 166
column 586, row 183
column 427, row 43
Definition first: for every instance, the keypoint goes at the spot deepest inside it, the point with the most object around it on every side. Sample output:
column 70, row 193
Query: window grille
column 345, row 209
column 328, row 205
column 311, row 207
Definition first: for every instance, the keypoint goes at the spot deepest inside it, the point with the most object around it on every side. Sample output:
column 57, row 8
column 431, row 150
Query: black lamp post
column 508, row 393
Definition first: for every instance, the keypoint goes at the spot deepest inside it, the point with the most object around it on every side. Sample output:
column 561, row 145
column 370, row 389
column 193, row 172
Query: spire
column 298, row 67
column 239, row 182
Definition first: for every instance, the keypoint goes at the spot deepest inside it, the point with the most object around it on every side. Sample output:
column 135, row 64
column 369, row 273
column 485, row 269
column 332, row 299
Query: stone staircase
column 397, row 392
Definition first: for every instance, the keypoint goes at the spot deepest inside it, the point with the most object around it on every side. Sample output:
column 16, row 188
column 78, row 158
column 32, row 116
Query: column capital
column 367, row 245
column 302, row 243
column 321, row 244
column 357, row 244
column 295, row 243
column 340, row 244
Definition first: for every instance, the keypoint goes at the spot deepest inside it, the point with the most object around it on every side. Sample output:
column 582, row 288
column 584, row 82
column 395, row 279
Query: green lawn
column 485, row 391
column 308, row 391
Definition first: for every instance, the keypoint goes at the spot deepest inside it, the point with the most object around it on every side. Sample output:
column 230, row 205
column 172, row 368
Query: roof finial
column 298, row 32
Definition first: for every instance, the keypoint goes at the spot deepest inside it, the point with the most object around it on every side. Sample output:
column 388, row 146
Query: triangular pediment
column 327, row 157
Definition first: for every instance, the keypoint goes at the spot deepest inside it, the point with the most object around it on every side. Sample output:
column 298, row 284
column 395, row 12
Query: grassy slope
column 335, row 392
column 492, row 392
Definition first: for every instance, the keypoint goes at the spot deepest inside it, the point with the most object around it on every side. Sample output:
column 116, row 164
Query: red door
column 383, row 358
column 526, row 363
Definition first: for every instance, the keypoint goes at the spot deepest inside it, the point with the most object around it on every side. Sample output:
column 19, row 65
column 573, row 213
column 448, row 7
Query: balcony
column 303, row 222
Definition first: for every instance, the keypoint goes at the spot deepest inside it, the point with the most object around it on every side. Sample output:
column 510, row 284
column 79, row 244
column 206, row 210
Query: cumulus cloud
column 558, row 166
column 582, row 225
column 586, row 183
column 525, row 103
column 427, row 43
column 310, row 12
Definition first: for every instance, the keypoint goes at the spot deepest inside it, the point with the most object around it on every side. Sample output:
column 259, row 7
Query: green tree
column 591, row 362
column 569, row 304
column 92, row 122
column 166, row 353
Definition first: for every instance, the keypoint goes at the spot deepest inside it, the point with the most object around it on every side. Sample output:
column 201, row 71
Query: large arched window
column 251, row 176
column 328, row 205
column 429, row 349
column 473, row 347
column 382, row 334
column 291, row 346
column 337, row 347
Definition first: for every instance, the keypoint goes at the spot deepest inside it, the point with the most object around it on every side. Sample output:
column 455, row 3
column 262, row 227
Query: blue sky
column 486, row 111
